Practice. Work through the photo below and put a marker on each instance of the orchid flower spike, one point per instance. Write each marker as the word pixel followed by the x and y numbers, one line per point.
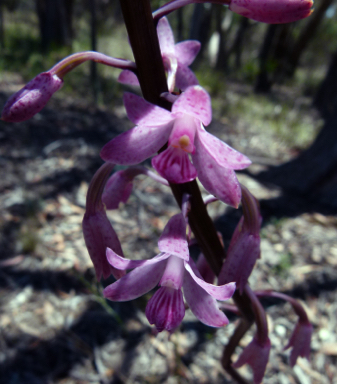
pixel 119 186
pixel 213 160
pixel 97 229
pixel 172 269
pixel 244 248
pixel 176 59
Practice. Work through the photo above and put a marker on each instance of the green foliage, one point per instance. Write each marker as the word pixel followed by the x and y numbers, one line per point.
pixel 213 81
pixel 282 268
pixel 28 239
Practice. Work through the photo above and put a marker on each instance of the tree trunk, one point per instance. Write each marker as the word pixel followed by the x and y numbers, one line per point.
pixel 307 33
pixel 55 22
pixel 314 172
pixel 201 28
pixel 221 59
pixel 280 51
pixel 180 24
pixel 237 46
pixel 326 97
pixel 263 81
pixel 93 37
pixel 2 28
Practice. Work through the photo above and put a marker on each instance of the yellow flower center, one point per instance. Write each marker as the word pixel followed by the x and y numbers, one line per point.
pixel 184 141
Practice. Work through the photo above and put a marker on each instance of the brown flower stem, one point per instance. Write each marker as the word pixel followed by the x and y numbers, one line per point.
pixel 144 42
pixel 145 46
pixel 226 361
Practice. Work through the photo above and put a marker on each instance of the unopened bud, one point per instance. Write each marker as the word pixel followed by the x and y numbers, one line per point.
pixel 272 11
pixel 31 98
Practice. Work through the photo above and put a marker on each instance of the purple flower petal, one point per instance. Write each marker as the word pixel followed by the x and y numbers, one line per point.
pixel 203 305
pixel 187 51
pixel 195 101
pixel 166 309
pixel 185 77
pixel 118 189
pixel 174 165
pixel 128 77
pixel 98 235
pixel 222 153
pixel 121 263
pixel 216 179
pixel 136 283
pixel 240 260
pixel 173 239
pixel 165 36
pixel 300 342
pixel 173 275
pixel 171 66
pixel 219 292
pixel 141 112
pixel 256 355
pixel 136 145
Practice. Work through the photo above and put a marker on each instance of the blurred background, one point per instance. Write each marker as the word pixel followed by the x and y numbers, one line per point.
pixel 274 98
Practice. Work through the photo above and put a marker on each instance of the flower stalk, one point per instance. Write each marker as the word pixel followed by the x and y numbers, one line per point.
pixel 72 61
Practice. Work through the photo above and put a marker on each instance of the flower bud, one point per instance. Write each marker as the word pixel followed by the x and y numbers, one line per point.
pixel 300 341
pixel 31 98
pixel 118 188
pixel 98 235
pixel 272 11
pixel 255 354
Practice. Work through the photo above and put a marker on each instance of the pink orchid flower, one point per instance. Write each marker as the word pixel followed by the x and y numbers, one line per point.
pixel 172 269
pixel 119 186
pixel 97 230
pixel 243 251
pixel 256 354
pixel 244 248
pixel 176 58
pixel 213 160
pixel 300 341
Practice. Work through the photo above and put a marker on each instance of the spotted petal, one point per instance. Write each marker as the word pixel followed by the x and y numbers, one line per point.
pixel 186 51
pixel 141 112
pixel 221 152
pixel 173 239
pixel 136 283
pixel 219 292
pixel 195 101
pixel 216 179
pixel 119 262
pixel 136 145
pixel 202 304
pixel 185 77
pixel 165 36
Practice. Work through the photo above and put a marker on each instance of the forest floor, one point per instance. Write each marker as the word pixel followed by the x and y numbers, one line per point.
pixel 54 325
